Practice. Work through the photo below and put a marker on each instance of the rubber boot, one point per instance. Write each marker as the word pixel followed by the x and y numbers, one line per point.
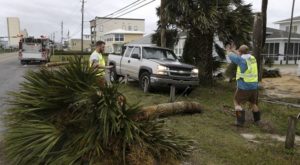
pixel 240 118
pixel 256 116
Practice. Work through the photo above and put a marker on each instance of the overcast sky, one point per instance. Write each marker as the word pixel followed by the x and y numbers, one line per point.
pixel 45 16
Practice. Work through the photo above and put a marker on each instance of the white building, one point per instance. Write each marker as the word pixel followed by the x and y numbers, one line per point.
pixel 116 31
pixel 277 39
pixel 285 25
pixel 178 48
pixel 13 29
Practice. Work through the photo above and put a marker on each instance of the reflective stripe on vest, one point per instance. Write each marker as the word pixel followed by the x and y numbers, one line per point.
pixel 101 63
pixel 251 74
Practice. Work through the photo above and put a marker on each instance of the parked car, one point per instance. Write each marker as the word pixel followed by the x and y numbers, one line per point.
pixel 152 66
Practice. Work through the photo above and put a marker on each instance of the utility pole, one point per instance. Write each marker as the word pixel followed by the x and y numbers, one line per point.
pixel 257 40
pixel 62 33
pixel 54 37
pixel 82 19
pixel 289 39
pixel 264 8
pixel 163 24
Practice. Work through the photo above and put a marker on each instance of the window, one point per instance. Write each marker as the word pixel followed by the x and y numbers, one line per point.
pixel 157 53
pixel 119 37
pixel 291 47
pixel 271 50
pixel 129 28
pixel 296 48
pixel 294 29
pixel 128 51
pixel 136 50
pixel 135 28
pixel 124 27
pixel 276 48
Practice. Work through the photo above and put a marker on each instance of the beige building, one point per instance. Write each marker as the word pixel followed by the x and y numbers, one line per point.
pixel 75 45
pixel 116 38
pixel 116 31
pixel 13 29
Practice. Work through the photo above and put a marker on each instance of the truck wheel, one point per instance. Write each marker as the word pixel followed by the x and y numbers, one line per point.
pixel 145 82
pixel 23 62
pixel 114 77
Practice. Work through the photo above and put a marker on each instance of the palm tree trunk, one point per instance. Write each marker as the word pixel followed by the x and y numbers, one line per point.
pixel 257 42
pixel 168 109
pixel 163 24
pixel 198 51
pixel 205 62
pixel 264 8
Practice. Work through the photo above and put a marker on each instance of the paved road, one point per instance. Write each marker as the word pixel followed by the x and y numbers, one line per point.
pixel 11 74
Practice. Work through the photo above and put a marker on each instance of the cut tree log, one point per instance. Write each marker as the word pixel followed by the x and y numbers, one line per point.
pixel 168 109
pixel 51 64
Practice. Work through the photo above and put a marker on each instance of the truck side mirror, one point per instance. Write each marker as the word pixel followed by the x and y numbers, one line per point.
pixel 136 56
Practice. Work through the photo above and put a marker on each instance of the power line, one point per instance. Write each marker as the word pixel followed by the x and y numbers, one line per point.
pixel 129 11
pixel 125 8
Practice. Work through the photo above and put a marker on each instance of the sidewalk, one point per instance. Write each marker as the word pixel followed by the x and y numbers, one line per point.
pixel 7 55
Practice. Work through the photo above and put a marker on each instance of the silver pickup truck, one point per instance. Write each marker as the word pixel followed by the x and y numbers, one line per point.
pixel 152 66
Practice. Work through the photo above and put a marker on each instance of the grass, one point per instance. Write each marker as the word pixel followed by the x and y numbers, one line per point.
pixel 219 142
pixel 58 58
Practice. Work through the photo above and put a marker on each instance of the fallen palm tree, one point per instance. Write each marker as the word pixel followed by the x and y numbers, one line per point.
pixel 53 64
pixel 168 109
pixel 64 116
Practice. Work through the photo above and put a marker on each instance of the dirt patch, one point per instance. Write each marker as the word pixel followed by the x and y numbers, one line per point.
pixel 286 86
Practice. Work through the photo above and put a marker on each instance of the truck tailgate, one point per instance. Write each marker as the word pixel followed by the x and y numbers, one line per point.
pixel 32 55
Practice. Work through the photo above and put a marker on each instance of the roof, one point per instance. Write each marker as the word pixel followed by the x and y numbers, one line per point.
pixel 121 31
pixel 145 40
pixel 295 19
pixel 275 33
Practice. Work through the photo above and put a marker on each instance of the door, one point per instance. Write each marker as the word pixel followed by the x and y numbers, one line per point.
pixel 125 62
pixel 135 62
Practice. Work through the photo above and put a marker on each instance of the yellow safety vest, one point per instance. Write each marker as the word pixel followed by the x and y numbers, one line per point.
pixel 101 63
pixel 251 74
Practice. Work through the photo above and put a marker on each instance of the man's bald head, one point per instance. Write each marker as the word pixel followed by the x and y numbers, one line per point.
pixel 244 49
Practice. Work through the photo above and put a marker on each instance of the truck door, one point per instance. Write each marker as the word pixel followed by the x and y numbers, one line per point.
pixel 125 62
pixel 135 62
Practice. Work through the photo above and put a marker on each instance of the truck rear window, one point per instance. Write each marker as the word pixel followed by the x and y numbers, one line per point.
pixel 157 53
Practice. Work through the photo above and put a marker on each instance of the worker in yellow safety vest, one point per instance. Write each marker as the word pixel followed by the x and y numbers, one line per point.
pixel 247 82
pixel 97 60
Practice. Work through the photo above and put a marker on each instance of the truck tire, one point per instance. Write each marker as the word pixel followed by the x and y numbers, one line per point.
pixel 23 62
pixel 114 77
pixel 145 82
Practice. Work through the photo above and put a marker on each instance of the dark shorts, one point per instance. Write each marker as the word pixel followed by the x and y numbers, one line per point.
pixel 243 96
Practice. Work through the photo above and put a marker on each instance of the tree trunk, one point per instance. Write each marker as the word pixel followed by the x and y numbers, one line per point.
pixel 205 60
pixel 198 49
pixel 257 42
pixel 163 24
pixel 264 8
pixel 168 109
